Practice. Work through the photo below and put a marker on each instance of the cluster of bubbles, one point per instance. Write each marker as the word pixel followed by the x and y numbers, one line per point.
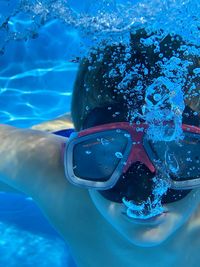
pixel 150 207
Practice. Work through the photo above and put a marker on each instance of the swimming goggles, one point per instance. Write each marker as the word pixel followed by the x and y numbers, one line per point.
pixel 97 157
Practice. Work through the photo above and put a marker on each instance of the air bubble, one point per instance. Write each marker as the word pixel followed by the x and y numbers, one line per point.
pixel 105 142
pixel 171 162
pixel 196 71
pixel 157 97
pixel 127 135
pixel 119 155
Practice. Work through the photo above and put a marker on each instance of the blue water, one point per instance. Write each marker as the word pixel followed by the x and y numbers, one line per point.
pixel 27 239
pixel 36 81
pixel 33 71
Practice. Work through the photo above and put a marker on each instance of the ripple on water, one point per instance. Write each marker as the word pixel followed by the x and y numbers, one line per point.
pixel 23 248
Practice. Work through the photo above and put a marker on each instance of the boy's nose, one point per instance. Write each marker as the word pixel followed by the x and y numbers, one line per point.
pixel 138 154
pixel 137 182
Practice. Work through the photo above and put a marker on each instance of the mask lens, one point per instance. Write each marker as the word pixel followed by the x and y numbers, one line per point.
pixel 181 157
pixel 96 157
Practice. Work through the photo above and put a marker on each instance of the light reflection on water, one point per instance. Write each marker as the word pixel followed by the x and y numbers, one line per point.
pixel 23 105
pixel 24 248
pixel 34 70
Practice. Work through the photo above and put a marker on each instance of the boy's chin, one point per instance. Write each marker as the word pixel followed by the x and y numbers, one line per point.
pixel 144 241
pixel 148 235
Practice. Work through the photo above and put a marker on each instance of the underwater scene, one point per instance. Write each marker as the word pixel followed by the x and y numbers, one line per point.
pixel 148 54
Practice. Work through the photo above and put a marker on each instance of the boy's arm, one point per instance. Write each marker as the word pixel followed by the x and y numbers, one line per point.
pixel 62 122
pixel 30 160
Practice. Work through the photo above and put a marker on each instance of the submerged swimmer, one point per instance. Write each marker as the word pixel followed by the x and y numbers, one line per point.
pixel 117 196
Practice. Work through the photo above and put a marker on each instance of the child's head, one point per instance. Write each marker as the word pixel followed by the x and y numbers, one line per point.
pixel 111 87
pixel 118 75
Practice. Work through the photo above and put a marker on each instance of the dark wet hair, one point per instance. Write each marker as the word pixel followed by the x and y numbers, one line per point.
pixel 106 76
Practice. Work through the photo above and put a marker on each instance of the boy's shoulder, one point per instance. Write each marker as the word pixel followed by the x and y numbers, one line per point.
pixel 60 123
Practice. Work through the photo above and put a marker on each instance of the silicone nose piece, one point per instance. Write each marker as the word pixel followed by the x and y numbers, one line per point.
pixel 138 154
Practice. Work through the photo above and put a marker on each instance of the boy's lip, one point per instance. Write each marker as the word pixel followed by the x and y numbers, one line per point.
pixel 154 220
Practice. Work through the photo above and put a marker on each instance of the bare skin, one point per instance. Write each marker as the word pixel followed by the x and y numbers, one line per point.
pixel 97 232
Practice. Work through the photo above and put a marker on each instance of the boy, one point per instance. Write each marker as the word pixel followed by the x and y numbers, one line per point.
pixel 113 222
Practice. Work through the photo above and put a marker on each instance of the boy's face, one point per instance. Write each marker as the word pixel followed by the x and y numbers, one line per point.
pixel 141 232
pixel 150 232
